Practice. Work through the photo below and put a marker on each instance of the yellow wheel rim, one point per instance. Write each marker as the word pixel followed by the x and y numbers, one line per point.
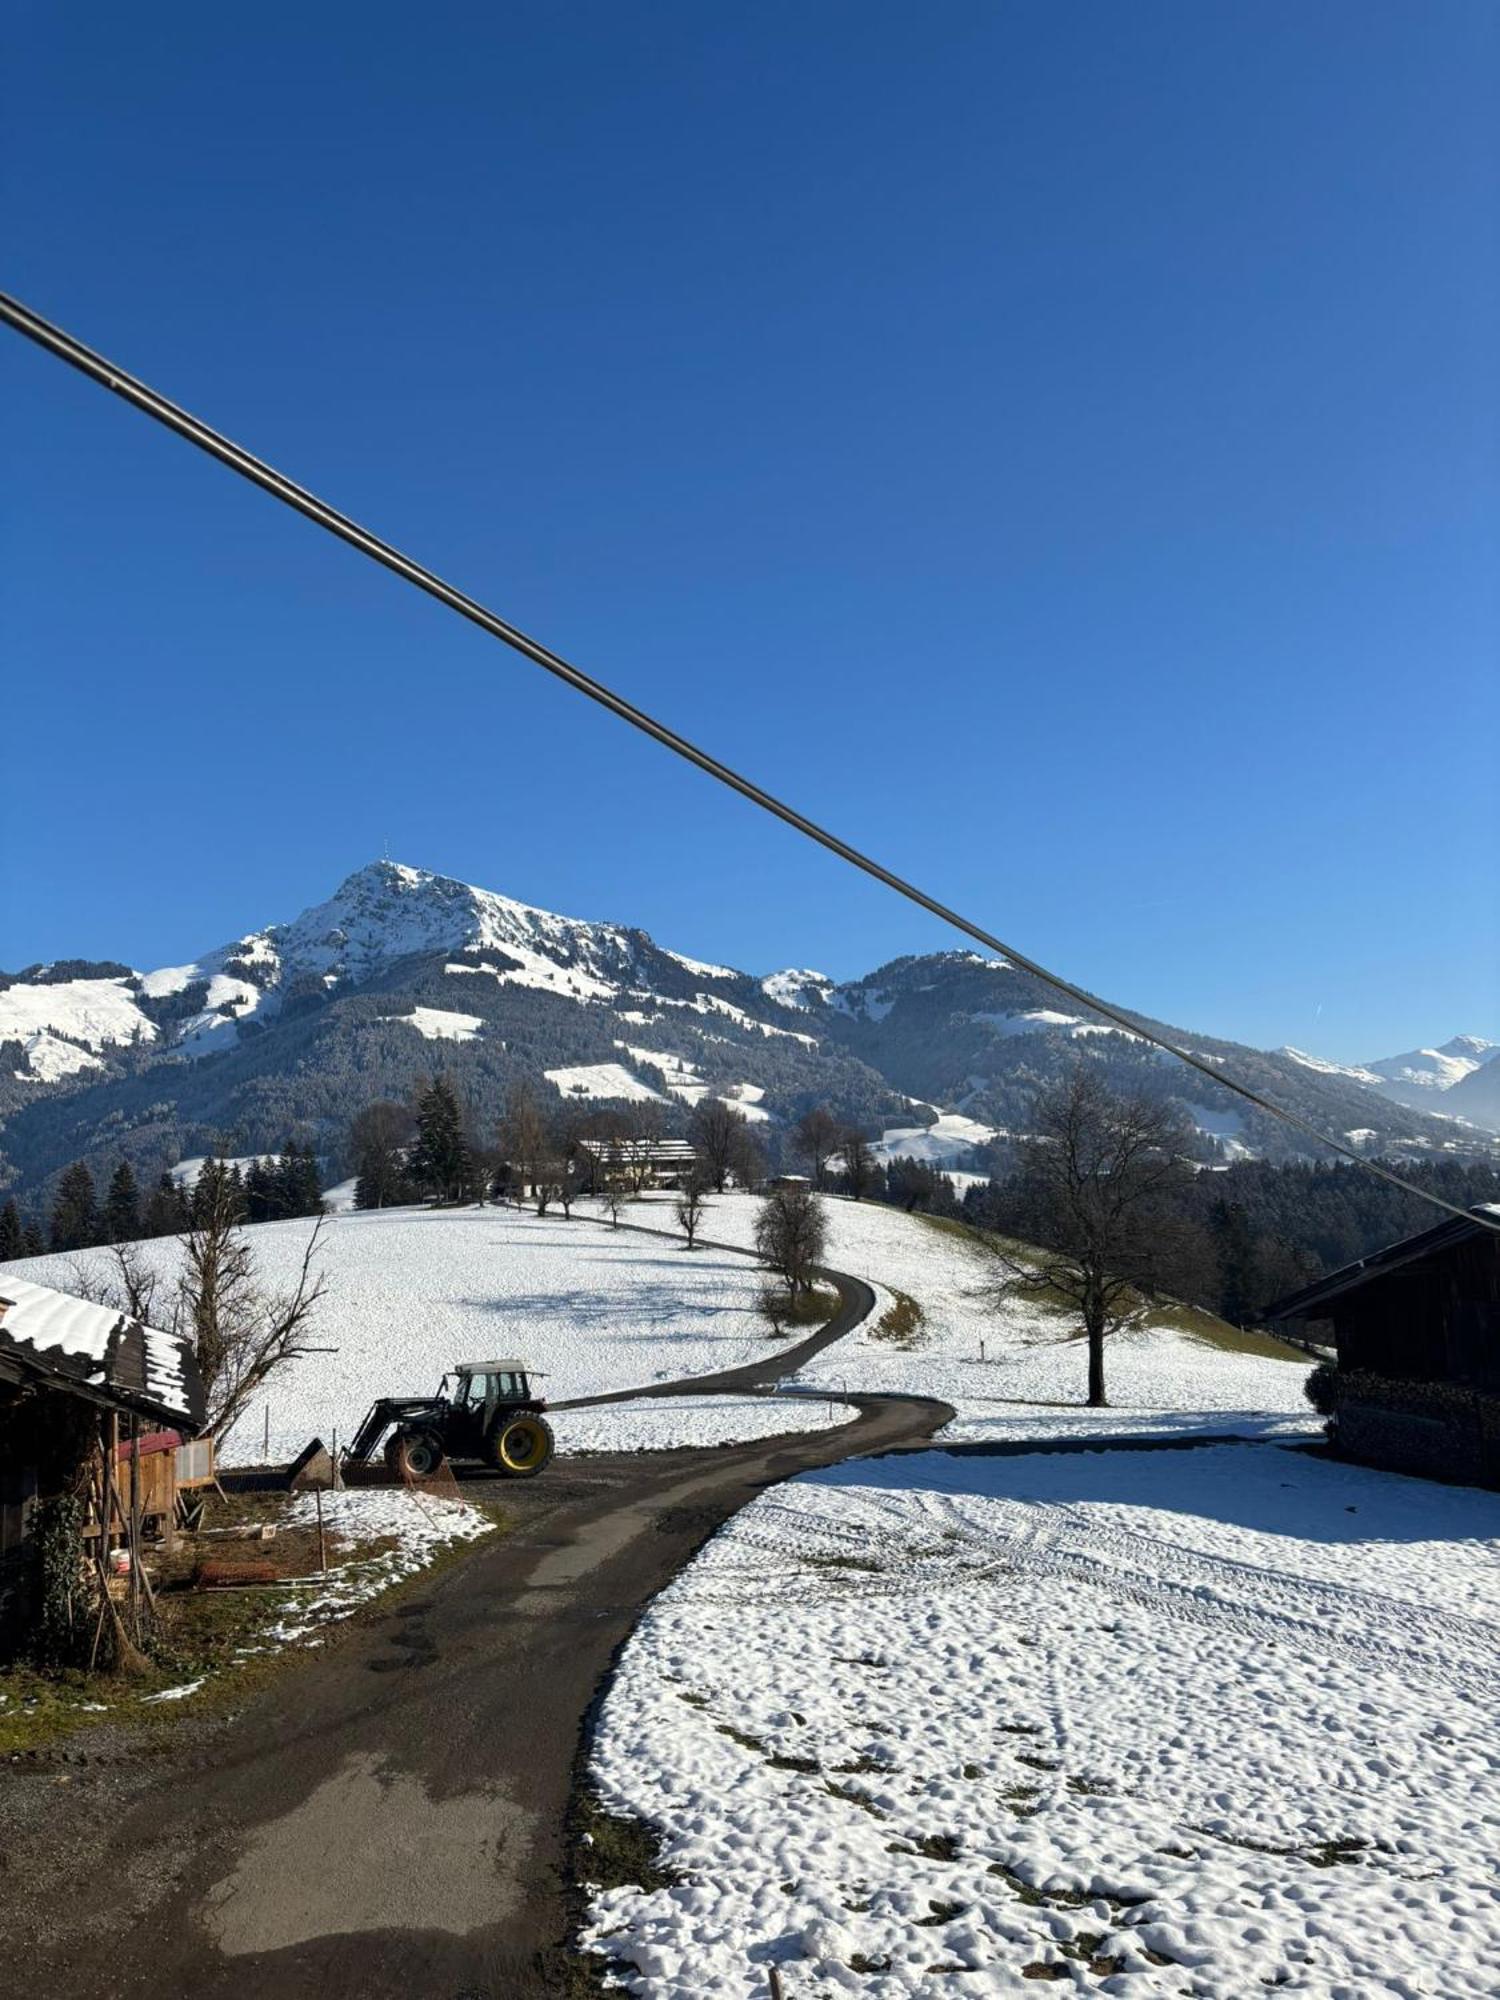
pixel 521 1444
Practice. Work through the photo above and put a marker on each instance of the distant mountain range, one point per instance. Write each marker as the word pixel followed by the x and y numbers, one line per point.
pixel 1460 1079
pixel 288 1030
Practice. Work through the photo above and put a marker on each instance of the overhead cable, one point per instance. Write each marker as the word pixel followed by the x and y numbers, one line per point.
pixel 65 347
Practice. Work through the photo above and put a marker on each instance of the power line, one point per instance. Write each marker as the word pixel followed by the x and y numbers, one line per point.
pixel 110 376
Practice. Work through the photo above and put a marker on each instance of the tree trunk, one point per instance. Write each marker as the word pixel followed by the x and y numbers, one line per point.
pixel 1095 1327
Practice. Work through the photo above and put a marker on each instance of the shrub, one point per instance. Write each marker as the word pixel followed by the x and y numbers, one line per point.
pixel 1322 1388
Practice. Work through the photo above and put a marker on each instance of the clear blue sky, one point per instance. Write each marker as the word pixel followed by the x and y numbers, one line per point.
pixel 1058 444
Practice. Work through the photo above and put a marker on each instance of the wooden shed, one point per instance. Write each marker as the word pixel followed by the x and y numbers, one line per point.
pixel 1416 1328
pixel 81 1387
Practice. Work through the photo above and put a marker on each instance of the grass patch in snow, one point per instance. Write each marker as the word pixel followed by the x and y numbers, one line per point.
pixel 813 1306
pixel 900 1323
pixel 618 1850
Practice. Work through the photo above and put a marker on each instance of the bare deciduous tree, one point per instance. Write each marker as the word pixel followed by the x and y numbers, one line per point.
pixel 859 1163
pixel 1089 1191
pixel 691 1206
pixel 720 1135
pixel 380 1136
pixel 816 1137
pixel 791 1234
pixel 242 1334
pixel 523 1141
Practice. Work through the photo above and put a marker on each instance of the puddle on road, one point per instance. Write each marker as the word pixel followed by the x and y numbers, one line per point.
pixel 371 1850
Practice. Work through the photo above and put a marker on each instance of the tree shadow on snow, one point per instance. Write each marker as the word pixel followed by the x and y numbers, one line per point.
pixel 1271 1489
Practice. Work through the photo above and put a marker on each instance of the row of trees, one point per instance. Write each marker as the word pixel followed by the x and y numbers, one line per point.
pixel 268 1190
pixel 428 1150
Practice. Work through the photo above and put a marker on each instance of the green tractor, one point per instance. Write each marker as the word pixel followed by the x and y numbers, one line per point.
pixel 489 1416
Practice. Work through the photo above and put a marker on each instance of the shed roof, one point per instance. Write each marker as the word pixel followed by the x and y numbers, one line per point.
pixel 69 1341
pixel 1311 1300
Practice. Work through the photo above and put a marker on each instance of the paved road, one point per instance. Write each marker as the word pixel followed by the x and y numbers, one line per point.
pixel 856 1303
pixel 390 1819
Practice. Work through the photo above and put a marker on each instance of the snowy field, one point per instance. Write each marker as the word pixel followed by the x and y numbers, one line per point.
pixel 412 1291
pixel 1212 1721
pixel 1030 1355
pixel 673 1421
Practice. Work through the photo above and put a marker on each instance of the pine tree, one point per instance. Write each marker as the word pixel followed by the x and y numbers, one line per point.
pixel 299 1189
pixel 166 1209
pixel 440 1163
pixel 12 1236
pixel 262 1192
pixel 75 1213
pixel 34 1244
pixel 122 1206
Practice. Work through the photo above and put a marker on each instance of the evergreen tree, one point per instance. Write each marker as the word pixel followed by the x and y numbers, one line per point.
pixel 35 1244
pixel 75 1213
pixel 122 1206
pixel 441 1164
pixel 12 1236
pixel 299 1184
pixel 262 1192
pixel 166 1209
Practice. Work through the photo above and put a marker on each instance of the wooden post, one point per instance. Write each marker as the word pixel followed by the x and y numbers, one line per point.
pixel 135 1528
pixel 322 1540
pixel 777 1990
pixel 111 1446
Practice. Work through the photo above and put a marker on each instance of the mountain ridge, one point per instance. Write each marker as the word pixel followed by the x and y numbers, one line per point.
pixel 292 1026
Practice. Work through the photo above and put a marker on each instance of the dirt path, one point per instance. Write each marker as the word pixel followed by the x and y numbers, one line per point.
pixel 389 1819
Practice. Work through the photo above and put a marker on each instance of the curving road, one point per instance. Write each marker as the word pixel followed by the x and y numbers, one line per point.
pixel 391 1818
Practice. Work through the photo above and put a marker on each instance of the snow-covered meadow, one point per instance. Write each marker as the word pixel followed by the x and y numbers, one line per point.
pixel 1030 1354
pixel 1203 1721
pixel 669 1422
pixel 412 1291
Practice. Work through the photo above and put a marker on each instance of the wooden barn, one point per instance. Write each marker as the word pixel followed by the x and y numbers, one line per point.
pixel 1416 1328
pixel 87 1397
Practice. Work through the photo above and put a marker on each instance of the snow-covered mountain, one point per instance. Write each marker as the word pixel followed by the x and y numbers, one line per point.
pixel 1459 1079
pixel 1421 1076
pixel 290 1028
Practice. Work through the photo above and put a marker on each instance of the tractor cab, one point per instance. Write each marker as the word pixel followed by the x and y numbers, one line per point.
pixel 477 1392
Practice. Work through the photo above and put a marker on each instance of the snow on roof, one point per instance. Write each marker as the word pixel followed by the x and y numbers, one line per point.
pixel 72 1338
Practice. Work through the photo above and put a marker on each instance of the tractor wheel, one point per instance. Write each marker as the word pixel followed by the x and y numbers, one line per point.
pixel 414 1454
pixel 521 1447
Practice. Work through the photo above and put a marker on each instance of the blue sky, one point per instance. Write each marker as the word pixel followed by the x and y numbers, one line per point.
pixel 1057 445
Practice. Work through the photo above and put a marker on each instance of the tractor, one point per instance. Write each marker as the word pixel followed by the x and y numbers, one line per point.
pixel 489 1415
